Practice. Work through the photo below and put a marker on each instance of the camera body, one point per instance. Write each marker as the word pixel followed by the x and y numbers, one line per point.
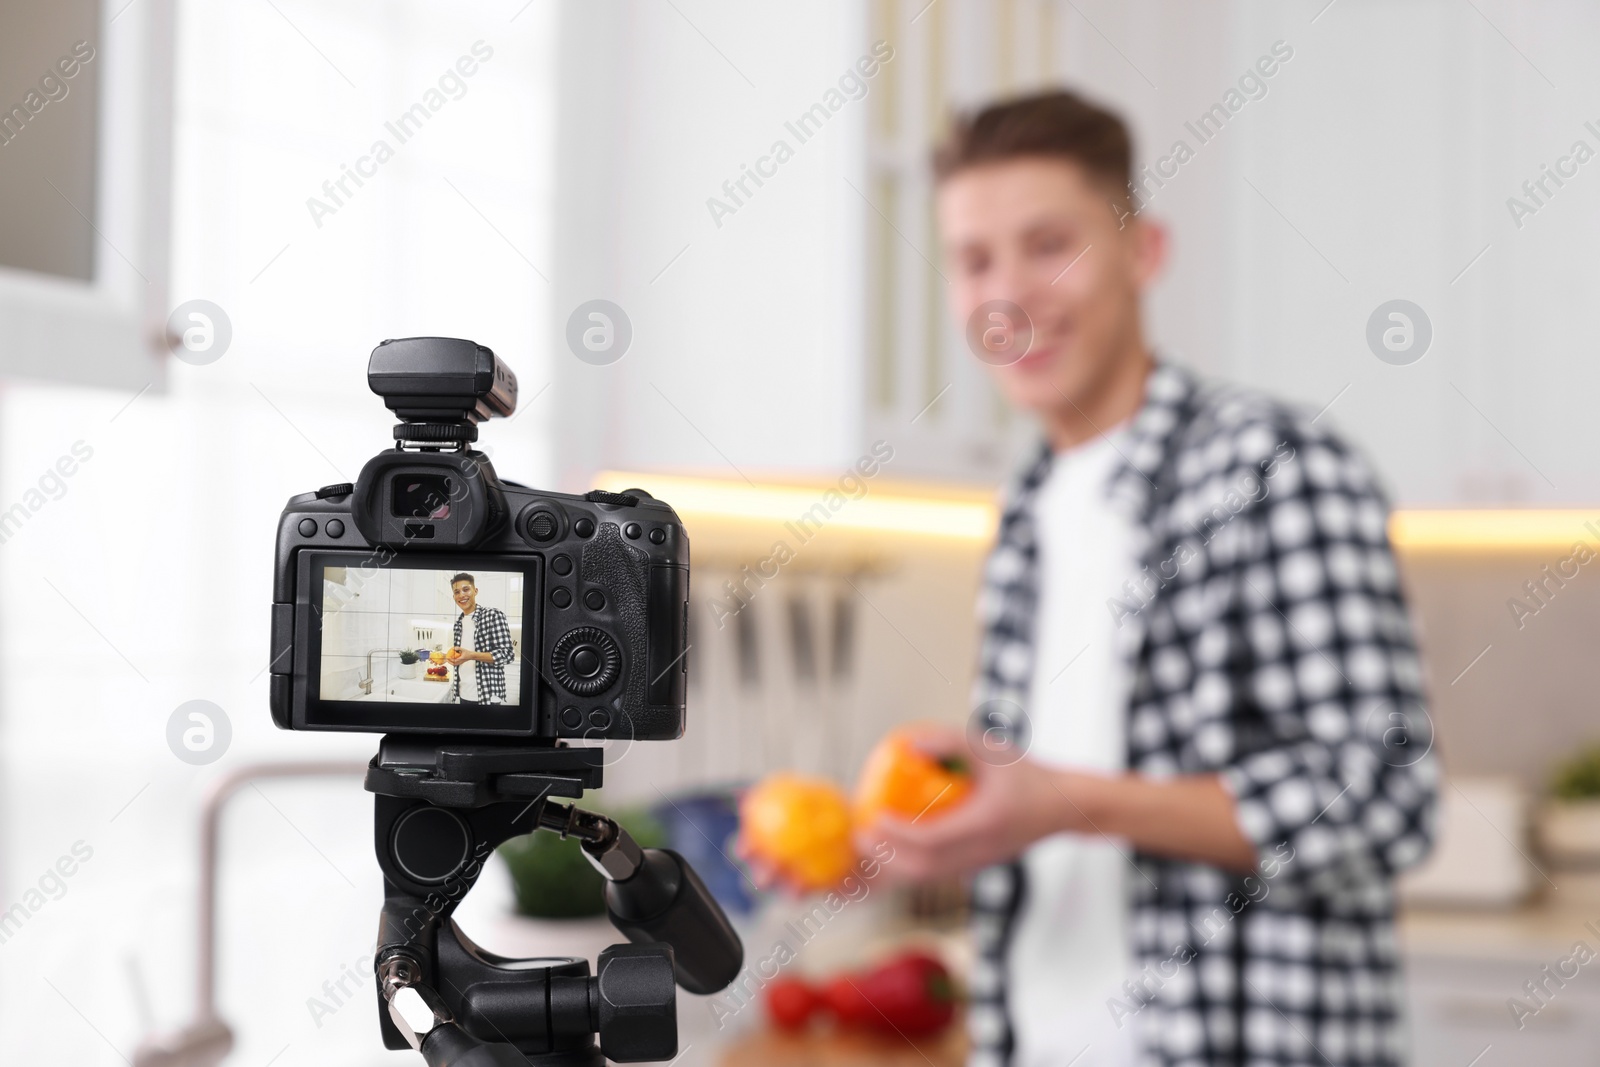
pixel 556 615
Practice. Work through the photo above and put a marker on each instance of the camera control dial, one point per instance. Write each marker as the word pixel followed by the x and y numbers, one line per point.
pixel 586 661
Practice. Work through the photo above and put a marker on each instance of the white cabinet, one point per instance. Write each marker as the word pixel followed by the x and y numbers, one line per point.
pixel 1464 969
pixel 1382 161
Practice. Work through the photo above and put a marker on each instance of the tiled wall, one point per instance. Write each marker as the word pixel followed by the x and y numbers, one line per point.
pixel 1511 691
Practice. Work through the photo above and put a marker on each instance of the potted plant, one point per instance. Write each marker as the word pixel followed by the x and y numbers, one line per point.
pixel 1569 827
pixel 408 664
pixel 552 879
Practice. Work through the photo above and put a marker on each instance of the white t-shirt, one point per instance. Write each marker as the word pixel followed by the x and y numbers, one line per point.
pixel 1070 950
pixel 467 670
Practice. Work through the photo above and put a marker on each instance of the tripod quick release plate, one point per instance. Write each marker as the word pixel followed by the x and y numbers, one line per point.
pixel 472 774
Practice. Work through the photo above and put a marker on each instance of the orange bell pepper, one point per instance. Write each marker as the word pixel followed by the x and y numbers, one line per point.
pixel 901 779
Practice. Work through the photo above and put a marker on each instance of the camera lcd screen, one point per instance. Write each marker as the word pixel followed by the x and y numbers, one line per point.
pixel 421 635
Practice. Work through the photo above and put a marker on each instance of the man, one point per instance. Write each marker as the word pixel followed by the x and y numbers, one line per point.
pixel 480 660
pixel 1196 648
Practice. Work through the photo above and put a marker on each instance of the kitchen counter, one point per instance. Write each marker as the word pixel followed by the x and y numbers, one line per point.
pixel 1467 973
pixel 414 690
pixel 827 1049
pixel 1542 930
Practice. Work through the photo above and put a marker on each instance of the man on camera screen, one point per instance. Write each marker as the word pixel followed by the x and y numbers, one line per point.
pixel 479 652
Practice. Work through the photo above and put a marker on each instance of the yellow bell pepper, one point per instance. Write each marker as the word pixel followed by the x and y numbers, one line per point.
pixel 800 826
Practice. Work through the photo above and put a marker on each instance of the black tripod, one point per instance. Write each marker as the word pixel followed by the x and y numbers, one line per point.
pixel 441 810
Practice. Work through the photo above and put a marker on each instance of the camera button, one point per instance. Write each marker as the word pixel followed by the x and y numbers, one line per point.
pixel 600 719
pixel 562 565
pixel 560 597
pixel 542 526
pixel 583 527
pixel 335 528
pixel 658 536
pixel 308 527
pixel 571 718
pixel 633 530
pixel 585 662
pixel 594 600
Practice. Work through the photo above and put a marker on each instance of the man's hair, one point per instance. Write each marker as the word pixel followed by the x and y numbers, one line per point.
pixel 1058 124
pixel 463 577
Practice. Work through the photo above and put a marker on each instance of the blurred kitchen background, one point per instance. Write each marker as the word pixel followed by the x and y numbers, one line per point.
pixel 227 153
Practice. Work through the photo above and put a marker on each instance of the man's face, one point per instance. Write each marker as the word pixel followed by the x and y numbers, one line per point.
pixel 1041 234
pixel 466 595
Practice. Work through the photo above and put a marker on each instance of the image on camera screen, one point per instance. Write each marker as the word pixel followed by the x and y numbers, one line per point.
pixel 417 636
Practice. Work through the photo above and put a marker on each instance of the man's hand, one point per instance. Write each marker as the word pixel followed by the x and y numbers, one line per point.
pixel 453 656
pixel 1015 801
pixel 1010 807
pixel 1014 804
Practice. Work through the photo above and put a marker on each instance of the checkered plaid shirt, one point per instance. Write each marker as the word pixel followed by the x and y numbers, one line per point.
pixel 491 634
pixel 1269 644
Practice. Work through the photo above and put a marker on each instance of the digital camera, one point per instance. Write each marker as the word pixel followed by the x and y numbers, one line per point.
pixel 432 598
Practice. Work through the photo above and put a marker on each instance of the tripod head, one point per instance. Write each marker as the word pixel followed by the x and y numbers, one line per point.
pixel 440 811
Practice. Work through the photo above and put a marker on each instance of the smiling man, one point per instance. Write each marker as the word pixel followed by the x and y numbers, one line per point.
pixel 1196 647
pixel 481 646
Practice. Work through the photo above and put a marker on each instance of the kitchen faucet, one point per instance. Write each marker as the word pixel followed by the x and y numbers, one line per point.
pixel 365 684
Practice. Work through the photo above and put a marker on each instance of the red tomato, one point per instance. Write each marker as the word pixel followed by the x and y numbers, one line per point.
pixel 790 1003
pixel 843 997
